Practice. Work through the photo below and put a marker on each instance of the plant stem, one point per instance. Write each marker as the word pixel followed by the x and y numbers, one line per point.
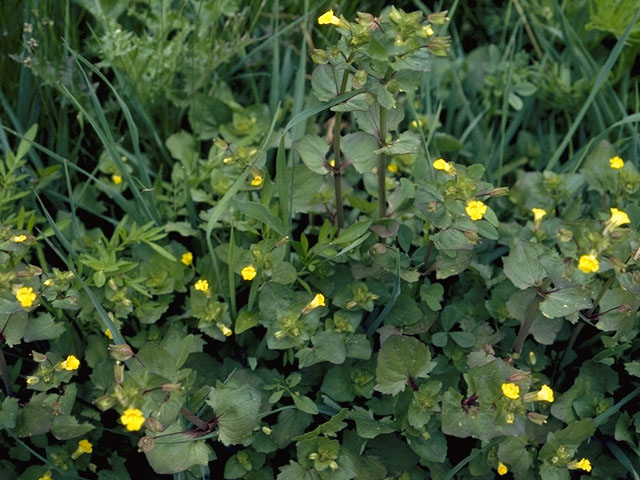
pixel 528 320
pixel 337 174
pixel 201 424
pixel 578 328
pixel 5 375
pixel 382 165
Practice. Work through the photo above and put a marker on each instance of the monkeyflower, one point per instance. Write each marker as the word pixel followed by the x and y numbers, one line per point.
pixel 46 476
pixel 328 18
pixel 618 218
pixel 26 296
pixel 475 209
pixel 84 446
pixel 19 238
pixel 511 391
pixel 616 162
pixel 317 301
pixel 441 164
pixel 545 394
pixel 132 419
pixel 582 464
pixel 117 179
pixel 502 469
pixel 70 363
pixel 108 333
pixel 588 264
pixel 187 258
pixel 202 285
pixel 257 181
pixel 249 272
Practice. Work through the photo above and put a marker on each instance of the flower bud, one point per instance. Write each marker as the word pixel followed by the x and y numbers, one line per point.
pixel 154 425
pixel 146 444
pixel 31 380
pixel 319 56
pixel 38 357
pixel 499 191
pixel 105 402
pixel 118 372
pixel 439 46
pixel 266 430
pixel 537 418
pixel 438 18
pixel 121 352
pixel 171 387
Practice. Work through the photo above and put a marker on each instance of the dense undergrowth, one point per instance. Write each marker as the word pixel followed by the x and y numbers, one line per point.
pixel 293 240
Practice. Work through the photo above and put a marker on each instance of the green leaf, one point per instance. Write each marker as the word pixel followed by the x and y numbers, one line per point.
pixel 8 413
pixel 399 359
pixel 246 320
pixel 432 295
pixel 405 311
pixel 549 472
pixel 182 146
pixel 563 302
pixel 313 150
pixel 43 328
pixel 237 409
pixel 66 427
pixel 522 266
pixel 407 142
pixel 513 452
pixel 259 212
pixel 337 384
pixel 464 339
pixel 327 347
pixel 25 143
pixel 633 368
pixel 304 404
pixel 330 428
pixel 369 427
pixel 359 148
pixel 324 83
pixel 294 471
pixel 433 449
pixel 177 451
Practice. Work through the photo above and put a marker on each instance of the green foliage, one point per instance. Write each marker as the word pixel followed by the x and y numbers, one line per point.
pixel 252 266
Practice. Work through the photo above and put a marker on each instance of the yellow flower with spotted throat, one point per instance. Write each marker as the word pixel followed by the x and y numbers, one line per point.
pixel 475 209
pixel 511 391
pixel 588 264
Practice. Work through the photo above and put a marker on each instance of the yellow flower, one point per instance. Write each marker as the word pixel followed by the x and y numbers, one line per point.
pixel 117 179
pixel 318 301
pixel 48 282
pixel 616 162
pixel 441 164
pixel 26 296
pixel 511 391
pixel 588 263
pixel 187 258
pixel 257 181
pixel 545 394
pixel 502 469
pixel 392 167
pixel 618 217
pixel 84 446
pixel 583 464
pixel 132 419
pixel 46 476
pixel 71 363
pixel 19 238
pixel 226 331
pixel 475 209
pixel 108 333
pixel 427 31
pixel 248 272
pixel 538 213
pixel 202 285
pixel 328 18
